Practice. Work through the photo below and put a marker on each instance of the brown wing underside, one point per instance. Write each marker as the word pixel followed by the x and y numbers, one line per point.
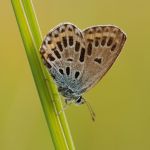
pixel 103 45
pixel 62 47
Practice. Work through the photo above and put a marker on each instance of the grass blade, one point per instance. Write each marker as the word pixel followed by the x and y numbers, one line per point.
pixel 50 99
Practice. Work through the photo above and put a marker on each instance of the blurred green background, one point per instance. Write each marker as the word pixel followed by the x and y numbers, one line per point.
pixel 121 100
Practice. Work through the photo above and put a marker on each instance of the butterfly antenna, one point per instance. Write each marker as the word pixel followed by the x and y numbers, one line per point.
pixel 91 110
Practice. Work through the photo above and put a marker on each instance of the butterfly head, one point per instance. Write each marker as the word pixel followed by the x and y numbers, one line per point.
pixel 80 100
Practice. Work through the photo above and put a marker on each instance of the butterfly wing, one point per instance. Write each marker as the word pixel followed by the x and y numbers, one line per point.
pixel 63 52
pixel 78 60
pixel 103 45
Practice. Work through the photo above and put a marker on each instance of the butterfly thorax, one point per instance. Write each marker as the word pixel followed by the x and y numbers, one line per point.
pixel 68 93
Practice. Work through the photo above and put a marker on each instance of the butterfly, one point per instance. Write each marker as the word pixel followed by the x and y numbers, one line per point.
pixel 78 59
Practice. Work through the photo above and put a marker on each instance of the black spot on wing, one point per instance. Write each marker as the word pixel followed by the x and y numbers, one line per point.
pixel 70 40
pixel 49 42
pixel 77 74
pixel 96 43
pixel 62 30
pixel 103 41
pixel 82 54
pixel 61 71
pixel 110 41
pixel 113 47
pixel 89 49
pixel 64 41
pixel 98 60
pixel 57 54
pixel 77 46
pixel 60 46
pixel 69 59
pixel 56 35
pixel 67 70
pixel 70 29
pixel 51 57
pixel 48 65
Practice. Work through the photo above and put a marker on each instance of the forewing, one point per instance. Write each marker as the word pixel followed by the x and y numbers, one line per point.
pixel 103 45
pixel 61 51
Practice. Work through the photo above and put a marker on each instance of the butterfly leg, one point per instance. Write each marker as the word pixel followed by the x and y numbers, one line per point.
pixel 68 102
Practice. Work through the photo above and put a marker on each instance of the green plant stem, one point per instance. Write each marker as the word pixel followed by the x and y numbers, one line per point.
pixel 49 97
